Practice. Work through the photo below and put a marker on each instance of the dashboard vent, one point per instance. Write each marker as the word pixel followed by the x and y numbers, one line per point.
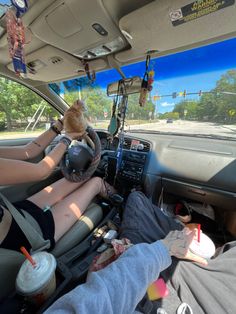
pixel 127 143
pixel 146 147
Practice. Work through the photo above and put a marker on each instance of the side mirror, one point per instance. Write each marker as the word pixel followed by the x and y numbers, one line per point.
pixel 125 86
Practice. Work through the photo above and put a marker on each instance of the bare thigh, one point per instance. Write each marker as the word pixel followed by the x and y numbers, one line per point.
pixel 68 211
pixel 54 193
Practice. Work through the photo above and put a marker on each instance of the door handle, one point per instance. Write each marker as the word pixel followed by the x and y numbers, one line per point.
pixel 197 192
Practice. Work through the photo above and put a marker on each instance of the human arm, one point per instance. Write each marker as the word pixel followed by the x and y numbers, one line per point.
pixel 32 149
pixel 17 171
pixel 119 287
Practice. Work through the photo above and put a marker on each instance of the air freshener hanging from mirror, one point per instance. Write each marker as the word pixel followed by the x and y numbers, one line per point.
pixel 144 91
pixel 91 75
pixel 151 74
pixel 16 35
pixel 114 124
pixel 147 82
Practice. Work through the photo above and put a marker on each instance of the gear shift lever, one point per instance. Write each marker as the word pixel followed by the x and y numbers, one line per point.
pixel 116 199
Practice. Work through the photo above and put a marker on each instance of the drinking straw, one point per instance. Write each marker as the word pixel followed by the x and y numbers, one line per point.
pixel 198 232
pixel 28 256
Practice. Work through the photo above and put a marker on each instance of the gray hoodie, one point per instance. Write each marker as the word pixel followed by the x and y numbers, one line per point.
pixel 120 286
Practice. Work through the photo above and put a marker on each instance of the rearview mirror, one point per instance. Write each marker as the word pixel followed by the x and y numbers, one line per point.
pixel 125 86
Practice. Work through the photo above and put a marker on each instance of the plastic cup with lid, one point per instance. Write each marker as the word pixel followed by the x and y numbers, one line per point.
pixel 204 248
pixel 37 283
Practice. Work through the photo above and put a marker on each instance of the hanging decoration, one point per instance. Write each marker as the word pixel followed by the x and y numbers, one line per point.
pixel 21 6
pixel 16 35
pixel 147 82
pixel 117 121
pixel 150 80
pixel 114 124
pixel 91 75
pixel 121 114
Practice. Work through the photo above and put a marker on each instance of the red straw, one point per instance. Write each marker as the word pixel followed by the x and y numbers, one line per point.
pixel 198 232
pixel 28 256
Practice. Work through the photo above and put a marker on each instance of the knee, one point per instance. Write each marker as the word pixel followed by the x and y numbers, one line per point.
pixel 135 197
pixel 133 201
pixel 94 184
pixel 96 180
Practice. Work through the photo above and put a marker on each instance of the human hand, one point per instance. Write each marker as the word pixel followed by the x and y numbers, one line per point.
pixel 178 243
pixel 59 124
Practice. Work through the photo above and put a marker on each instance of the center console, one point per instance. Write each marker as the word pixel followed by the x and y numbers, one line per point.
pixel 132 166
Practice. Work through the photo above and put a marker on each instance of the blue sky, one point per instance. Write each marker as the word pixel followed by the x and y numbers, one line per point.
pixel 191 83
pixel 194 70
pixel 3 9
pixel 5 1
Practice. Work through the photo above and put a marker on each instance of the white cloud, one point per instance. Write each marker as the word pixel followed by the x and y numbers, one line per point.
pixel 167 104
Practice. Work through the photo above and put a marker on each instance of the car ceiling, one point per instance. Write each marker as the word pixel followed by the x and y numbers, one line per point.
pixel 61 34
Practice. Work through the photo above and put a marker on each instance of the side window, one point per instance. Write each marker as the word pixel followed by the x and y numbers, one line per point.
pixel 22 112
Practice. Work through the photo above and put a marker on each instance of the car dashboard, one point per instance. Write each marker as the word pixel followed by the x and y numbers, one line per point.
pixel 132 164
pixel 201 169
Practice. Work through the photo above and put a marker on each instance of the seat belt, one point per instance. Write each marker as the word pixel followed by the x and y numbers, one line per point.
pixel 37 242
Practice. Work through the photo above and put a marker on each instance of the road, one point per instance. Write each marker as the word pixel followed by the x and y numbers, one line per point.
pixel 178 126
pixel 189 127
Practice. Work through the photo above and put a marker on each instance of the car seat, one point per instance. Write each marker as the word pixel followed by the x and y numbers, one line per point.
pixel 10 261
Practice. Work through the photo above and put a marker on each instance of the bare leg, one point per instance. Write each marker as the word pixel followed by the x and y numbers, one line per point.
pixel 53 193
pixel 69 210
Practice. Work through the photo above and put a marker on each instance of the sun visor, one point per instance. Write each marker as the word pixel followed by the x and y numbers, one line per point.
pixel 50 64
pixel 84 30
pixel 167 25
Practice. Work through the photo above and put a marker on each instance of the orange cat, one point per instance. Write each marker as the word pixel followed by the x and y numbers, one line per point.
pixel 75 122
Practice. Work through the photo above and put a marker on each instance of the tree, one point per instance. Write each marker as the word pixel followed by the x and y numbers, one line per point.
pixel 134 111
pixel 215 106
pixel 187 109
pixel 18 102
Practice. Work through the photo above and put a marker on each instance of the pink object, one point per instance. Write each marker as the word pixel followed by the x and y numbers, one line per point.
pixel 157 290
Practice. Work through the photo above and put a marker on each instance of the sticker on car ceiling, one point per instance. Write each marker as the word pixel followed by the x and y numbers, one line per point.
pixel 197 9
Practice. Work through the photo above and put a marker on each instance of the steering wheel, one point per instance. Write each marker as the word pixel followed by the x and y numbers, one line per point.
pixel 82 175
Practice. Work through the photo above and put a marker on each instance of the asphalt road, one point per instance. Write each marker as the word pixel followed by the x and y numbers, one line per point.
pixel 189 127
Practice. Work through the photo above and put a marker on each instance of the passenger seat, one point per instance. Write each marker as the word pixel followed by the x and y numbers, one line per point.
pixel 10 261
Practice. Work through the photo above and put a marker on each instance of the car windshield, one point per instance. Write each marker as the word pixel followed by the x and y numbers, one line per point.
pixel 194 93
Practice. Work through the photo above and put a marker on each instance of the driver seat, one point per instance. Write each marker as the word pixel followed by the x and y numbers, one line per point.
pixel 10 261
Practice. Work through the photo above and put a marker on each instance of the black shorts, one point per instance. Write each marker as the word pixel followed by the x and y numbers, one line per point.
pixel 16 238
